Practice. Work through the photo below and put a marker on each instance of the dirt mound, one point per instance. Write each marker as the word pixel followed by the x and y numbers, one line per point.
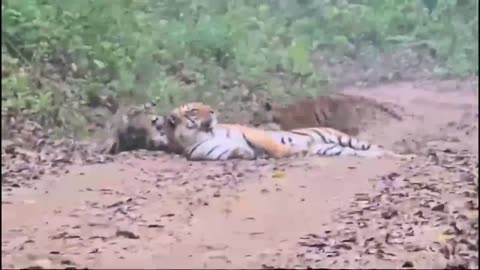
pixel 347 113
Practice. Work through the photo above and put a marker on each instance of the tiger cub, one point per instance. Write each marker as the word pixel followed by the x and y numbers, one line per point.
pixel 134 129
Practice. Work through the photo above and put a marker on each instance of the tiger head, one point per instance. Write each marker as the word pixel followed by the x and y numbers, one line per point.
pixel 131 130
pixel 158 123
pixel 187 122
pixel 194 115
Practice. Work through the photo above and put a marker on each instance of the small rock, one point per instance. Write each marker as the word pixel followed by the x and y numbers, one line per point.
pixel 67 262
pixel 126 234
pixel 42 264
pixel 342 246
pixel 155 226
pixel 471 205
pixel 439 207
pixel 411 247
pixel 389 213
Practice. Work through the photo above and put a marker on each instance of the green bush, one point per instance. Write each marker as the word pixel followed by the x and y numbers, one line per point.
pixel 134 48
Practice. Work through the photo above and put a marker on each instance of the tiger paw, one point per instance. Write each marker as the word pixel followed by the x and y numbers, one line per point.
pixel 405 157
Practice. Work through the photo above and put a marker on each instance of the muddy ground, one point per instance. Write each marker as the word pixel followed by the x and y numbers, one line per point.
pixel 153 210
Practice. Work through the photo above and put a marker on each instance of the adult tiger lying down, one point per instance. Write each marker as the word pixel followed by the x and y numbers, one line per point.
pixel 195 130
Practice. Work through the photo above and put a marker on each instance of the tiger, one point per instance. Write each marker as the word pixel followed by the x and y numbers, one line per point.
pixel 133 129
pixel 343 112
pixel 194 128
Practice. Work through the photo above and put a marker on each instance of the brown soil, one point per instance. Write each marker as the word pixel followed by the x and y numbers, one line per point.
pixel 154 210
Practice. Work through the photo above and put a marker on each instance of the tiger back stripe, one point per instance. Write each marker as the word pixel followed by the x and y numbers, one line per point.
pixel 302 133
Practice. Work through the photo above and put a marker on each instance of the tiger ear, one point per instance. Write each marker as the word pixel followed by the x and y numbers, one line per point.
pixel 268 106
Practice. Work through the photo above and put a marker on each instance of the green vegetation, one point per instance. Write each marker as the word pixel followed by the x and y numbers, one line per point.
pixel 59 56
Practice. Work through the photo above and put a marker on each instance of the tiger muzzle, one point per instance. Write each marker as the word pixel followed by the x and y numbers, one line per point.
pixel 207 125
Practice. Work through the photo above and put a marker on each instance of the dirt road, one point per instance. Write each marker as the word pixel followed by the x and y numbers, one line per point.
pixel 152 210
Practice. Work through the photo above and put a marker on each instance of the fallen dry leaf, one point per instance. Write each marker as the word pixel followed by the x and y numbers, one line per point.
pixel 279 174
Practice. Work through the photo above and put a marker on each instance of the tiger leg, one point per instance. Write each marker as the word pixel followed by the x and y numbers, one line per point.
pixel 219 153
pixel 241 153
pixel 400 156
pixel 333 149
pixel 378 151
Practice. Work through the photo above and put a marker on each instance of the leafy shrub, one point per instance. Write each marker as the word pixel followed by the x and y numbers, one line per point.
pixel 174 51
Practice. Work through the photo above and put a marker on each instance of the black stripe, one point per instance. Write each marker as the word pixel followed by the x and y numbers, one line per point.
pixel 190 119
pixel 224 152
pixel 213 149
pixel 282 141
pixel 248 142
pixel 321 135
pixel 256 149
pixel 366 147
pixel 339 152
pixel 303 134
pixel 331 147
pixel 362 146
pixel 299 133
pixel 350 144
pixel 195 147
